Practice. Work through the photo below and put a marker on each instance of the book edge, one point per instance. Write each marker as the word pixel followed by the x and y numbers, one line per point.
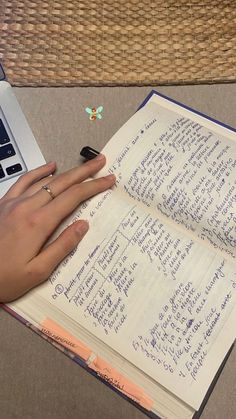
pixel 77 359
pixel 182 105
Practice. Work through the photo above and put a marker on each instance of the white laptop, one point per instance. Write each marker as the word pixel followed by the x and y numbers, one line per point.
pixel 19 151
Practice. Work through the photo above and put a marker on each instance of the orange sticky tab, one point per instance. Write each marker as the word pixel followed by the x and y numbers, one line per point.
pixel 60 335
pixel 109 374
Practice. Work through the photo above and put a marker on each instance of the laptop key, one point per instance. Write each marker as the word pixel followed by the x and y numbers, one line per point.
pixel 14 169
pixel 6 151
pixel 3 134
pixel 2 174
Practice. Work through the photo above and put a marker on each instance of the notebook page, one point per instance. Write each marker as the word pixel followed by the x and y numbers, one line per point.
pixel 184 170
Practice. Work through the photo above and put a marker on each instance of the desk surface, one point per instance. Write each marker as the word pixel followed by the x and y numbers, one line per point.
pixel 37 381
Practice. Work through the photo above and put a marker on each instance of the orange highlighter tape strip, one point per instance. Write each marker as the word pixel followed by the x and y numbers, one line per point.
pixel 60 335
pixel 101 367
pixel 116 379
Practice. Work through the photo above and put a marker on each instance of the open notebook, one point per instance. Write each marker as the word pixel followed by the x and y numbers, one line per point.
pixel 147 300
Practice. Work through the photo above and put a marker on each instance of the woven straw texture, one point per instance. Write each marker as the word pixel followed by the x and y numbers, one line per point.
pixel 117 42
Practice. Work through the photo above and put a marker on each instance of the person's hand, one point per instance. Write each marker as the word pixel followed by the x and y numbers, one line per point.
pixel 28 217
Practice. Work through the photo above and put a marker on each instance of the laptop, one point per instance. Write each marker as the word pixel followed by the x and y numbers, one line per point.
pixel 19 151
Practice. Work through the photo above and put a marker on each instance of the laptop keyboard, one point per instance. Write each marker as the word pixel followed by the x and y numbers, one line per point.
pixel 7 151
pixel 4 138
pixel 11 162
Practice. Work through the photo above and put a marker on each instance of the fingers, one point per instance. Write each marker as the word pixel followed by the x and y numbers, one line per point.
pixel 70 199
pixel 38 185
pixel 26 180
pixel 41 267
pixel 64 181
pixel 59 208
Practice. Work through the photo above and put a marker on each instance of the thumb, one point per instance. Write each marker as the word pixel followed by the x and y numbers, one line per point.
pixel 43 265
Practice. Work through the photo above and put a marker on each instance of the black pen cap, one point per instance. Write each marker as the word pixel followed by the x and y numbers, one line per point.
pixel 89 153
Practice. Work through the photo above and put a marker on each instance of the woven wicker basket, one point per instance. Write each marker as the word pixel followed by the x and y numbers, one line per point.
pixel 124 42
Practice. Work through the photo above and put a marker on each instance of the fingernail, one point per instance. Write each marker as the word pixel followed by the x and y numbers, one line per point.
pixel 111 177
pixel 50 163
pixel 100 157
pixel 82 227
